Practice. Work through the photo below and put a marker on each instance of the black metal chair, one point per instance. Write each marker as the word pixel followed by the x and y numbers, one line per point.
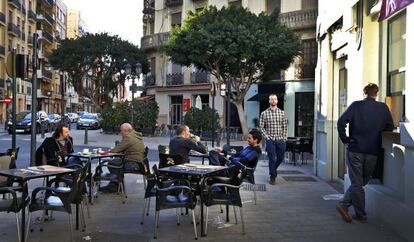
pixel 305 146
pixel 13 204
pixel 166 160
pixel 6 162
pixel 248 176
pixel 177 194
pixel 142 169
pixel 116 177
pixel 56 198
pixel 222 191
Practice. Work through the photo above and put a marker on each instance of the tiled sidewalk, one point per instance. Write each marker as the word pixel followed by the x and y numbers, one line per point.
pixel 289 211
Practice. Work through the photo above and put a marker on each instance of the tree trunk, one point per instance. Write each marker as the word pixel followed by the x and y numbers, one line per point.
pixel 242 117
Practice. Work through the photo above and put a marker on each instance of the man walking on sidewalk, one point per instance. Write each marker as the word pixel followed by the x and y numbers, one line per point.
pixel 273 125
pixel 366 119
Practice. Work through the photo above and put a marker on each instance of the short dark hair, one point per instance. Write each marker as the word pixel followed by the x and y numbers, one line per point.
pixel 180 129
pixel 59 130
pixel 371 90
pixel 256 135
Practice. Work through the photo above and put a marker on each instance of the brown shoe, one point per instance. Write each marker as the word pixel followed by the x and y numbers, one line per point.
pixel 360 219
pixel 344 213
pixel 272 181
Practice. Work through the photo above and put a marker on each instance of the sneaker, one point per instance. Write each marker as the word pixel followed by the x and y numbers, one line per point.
pixel 344 213
pixel 272 181
pixel 360 219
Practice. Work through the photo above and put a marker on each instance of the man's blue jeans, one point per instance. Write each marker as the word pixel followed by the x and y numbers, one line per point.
pixel 276 152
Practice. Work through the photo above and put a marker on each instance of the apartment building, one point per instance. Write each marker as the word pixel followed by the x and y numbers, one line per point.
pixel 74 24
pixel 361 42
pixel 172 84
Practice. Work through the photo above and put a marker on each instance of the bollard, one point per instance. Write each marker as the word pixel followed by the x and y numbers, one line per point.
pixel 85 141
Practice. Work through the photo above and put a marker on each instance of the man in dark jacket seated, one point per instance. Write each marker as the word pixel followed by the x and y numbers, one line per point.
pixel 59 142
pixel 184 143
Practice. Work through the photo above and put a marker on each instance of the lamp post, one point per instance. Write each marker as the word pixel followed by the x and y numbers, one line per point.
pixel 62 92
pixel 225 91
pixel 134 87
pixel 49 94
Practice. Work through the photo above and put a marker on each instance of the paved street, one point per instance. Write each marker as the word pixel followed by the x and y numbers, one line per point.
pixel 289 211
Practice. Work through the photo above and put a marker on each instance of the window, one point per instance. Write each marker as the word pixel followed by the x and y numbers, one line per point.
pixel 237 3
pixel 204 100
pixel 396 67
pixel 176 20
pixel 310 57
pixel 309 4
pixel 272 5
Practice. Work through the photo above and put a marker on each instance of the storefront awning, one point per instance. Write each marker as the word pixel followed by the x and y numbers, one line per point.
pixel 264 97
pixel 390 7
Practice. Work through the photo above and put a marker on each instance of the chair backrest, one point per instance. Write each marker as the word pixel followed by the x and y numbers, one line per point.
pixel 306 145
pixel 5 163
pixel 163 149
pixel 13 152
pixel 248 174
pixel 169 160
pixel 79 178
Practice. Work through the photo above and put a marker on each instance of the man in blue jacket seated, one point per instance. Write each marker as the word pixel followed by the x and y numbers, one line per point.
pixel 247 157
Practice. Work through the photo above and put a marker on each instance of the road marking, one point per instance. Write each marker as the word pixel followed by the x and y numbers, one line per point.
pixel 6 139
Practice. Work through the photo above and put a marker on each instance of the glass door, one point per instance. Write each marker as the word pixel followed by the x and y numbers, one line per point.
pixel 343 79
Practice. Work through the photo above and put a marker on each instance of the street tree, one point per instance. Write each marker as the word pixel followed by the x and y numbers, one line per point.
pixel 233 44
pixel 100 58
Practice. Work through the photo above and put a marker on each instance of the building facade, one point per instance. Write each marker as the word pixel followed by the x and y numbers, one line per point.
pixel 356 47
pixel 74 24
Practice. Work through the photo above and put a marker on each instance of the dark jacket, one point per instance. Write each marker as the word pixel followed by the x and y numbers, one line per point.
pixel 367 120
pixel 181 146
pixel 132 146
pixel 249 156
pixel 48 149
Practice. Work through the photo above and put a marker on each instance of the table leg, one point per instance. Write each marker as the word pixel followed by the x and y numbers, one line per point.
pixel 90 181
pixel 227 214
pixel 77 216
pixel 22 228
pixel 202 219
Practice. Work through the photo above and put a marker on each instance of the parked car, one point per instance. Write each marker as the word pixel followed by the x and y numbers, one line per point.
pixel 73 117
pixel 81 113
pixel 24 122
pixel 90 120
pixel 54 120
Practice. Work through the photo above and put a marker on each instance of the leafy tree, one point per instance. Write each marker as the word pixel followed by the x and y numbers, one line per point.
pixel 234 44
pixel 100 58
pixel 201 120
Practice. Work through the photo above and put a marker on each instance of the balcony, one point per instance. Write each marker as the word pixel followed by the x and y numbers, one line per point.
pixel 13 30
pixel 46 18
pixel 149 80
pixel 31 16
pixel 42 56
pixel 301 19
pixel 24 9
pixel 173 3
pixel 2 18
pixel 44 35
pixel 175 79
pixel 149 7
pixel 30 40
pixel 154 41
pixel 198 77
pixel 45 75
pixel 14 3
pixel 2 50
pixel 49 3
pixel 23 36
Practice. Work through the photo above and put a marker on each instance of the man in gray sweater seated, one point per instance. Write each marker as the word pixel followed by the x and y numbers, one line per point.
pixel 184 142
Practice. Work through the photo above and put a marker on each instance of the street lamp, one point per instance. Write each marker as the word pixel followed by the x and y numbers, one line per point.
pixel 225 91
pixel 134 87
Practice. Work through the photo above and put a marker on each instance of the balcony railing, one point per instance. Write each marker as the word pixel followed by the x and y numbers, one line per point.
pixel 199 77
pixel 24 9
pixel 47 18
pixel 299 19
pixel 2 50
pixel 13 29
pixel 23 36
pixel 175 79
pixel 30 39
pixel 48 2
pixel 45 75
pixel 149 80
pixel 172 3
pixel 31 16
pixel 154 41
pixel 2 18
pixel 45 36
pixel 15 3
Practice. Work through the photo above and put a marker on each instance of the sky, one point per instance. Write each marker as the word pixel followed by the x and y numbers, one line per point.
pixel 121 17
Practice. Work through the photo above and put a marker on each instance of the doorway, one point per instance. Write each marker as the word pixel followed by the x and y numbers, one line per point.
pixel 176 111
pixel 341 107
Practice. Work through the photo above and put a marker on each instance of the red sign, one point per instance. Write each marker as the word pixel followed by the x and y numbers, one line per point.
pixel 389 7
pixel 186 104
pixel 103 102
pixel 7 100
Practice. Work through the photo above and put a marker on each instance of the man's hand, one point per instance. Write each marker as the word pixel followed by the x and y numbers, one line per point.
pixel 218 149
pixel 196 138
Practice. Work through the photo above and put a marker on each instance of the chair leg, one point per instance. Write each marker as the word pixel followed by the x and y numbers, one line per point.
pixel 194 224
pixel 235 214
pixel 124 190
pixel 121 187
pixel 143 211
pixel 157 213
pixel 85 200
pixel 83 217
pixel 255 197
pixel 29 221
pixel 242 219
pixel 148 205
pixel 71 227
pixel 178 216
pixel 206 222
pixel 18 226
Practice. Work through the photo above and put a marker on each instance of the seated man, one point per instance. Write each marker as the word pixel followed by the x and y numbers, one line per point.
pixel 132 145
pixel 184 142
pixel 59 142
pixel 247 157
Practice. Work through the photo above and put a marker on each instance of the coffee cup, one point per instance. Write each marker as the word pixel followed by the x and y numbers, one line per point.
pixel 95 151
pixel 85 151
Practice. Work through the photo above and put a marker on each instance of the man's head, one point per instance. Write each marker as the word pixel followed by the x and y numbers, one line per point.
pixel 273 100
pixel 254 137
pixel 126 128
pixel 371 90
pixel 183 131
pixel 61 131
